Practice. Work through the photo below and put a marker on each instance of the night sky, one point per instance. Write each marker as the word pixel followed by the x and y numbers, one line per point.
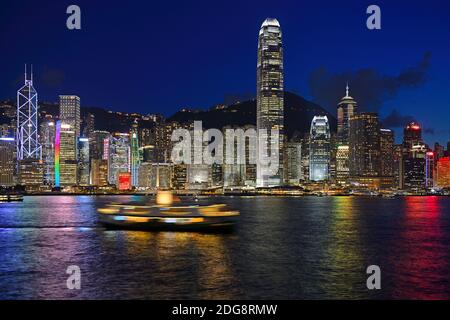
pixel 159 56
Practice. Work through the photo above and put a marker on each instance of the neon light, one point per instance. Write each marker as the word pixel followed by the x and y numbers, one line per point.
pixel 6 139
pixel 57 152
pixel 84 139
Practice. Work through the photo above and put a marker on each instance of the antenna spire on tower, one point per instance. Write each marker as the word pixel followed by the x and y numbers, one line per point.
pixel 25 71
pixel 346 90
pixel 31 73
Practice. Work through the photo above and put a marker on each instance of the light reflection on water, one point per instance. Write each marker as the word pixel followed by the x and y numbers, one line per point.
pixel 291 248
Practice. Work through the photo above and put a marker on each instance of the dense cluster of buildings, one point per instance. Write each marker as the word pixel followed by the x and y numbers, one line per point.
pixel 66 153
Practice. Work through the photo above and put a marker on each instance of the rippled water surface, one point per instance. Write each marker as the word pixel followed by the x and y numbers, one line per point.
pixel 283 248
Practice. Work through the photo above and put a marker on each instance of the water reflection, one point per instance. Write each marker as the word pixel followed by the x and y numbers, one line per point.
pixel 421 264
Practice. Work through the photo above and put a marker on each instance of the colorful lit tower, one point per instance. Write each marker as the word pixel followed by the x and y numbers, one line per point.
pixel 134 155
pixel 28 146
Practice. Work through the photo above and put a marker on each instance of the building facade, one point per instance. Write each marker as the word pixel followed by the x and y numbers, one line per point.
pixel 319 149
pixel 270 96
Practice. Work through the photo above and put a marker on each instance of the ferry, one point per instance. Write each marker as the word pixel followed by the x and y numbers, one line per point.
pixel 167 214
pixel 11 197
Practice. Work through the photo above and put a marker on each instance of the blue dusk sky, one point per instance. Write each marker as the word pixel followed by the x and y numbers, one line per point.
pixel 159 56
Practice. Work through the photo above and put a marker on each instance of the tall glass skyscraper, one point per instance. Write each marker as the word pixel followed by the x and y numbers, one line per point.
pixel 347 107
pixel 319 149
pixel 270 99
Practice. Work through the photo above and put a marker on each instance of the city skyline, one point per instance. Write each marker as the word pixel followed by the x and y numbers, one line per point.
pixel 67 72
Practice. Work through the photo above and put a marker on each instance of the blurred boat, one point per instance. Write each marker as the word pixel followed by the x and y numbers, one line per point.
pixel 11 197
pixel 165 215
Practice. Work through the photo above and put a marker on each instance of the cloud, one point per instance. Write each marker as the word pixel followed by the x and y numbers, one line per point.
pixel 369 87
pixel 396 120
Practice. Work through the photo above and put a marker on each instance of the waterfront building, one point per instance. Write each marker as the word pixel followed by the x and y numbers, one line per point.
pixel 66 173
pixel 270 94
pixel 293 166
pixel 414 166
pixel 30 173
pixel 27 143
pixel 69 112
pixel 347 107
pixel 124 181
pixel 99 172
pixel 180 177
pixel 429 169
pixel 134 155
pixel 364 143
pixel 319 149
pixel 443 172
pixel 83 162
pixel 156 175
pixel 199 176
pixel 47 141
pixel 7 161
pixel 342 164
pixel 117 149
pixel 386 152
pixel 413 153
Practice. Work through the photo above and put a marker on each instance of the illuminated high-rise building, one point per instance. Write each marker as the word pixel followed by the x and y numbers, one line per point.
pixel 28 146
pixel 386 153
pixel 342 164
pixel 97 144
pixel 429 169
pixel 347 107
pixel 30 174
pixel 413 157
pixel 364 143
pixel 135 158
pixel 270 95
pixel 7 161
pixel 83 162
pixel 69 112
pixel 47 141
pixel 319 149
pixel 99 172
pixel 66 172
pixel 293 159
pixel 414 168
pixel 443 172
pixel 118 153
pixel 412 135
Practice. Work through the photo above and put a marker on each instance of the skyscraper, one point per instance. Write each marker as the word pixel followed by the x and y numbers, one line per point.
pixel 118 155
pixel 135 159
pixel 342 164
pixel 28 146
pixel 415 168
pixel 69 112
pixel 386 153
pixel 347 107
pixel 65 155
pixel 7 150
pixel 319 149
pixel 47 141
pixel 270 98
pixel 83 162
pixel 443 172
pixel 364 142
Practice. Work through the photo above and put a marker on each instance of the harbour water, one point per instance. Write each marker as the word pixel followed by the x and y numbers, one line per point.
pixel 283 248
